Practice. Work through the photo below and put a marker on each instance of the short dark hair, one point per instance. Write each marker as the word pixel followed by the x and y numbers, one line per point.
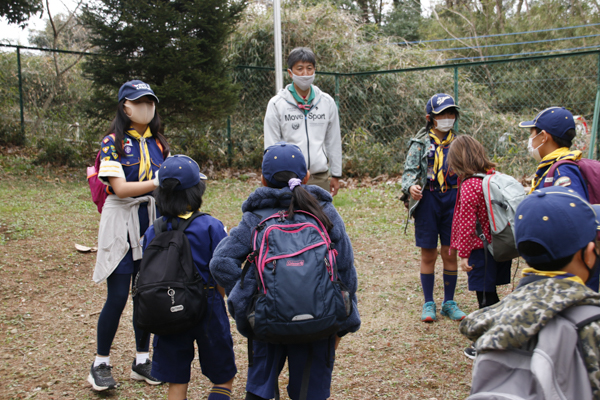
pixel 301 54
pixel 533 249
pixel 565 141
pixel 172 203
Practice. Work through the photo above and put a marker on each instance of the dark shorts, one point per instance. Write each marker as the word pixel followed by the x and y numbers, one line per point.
pixel 173 354
pixel 498 273
pixel 127 265
pixel 433 218
pixel 269 360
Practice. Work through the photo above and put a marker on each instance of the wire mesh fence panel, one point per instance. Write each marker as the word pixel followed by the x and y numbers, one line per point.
pixel 379 111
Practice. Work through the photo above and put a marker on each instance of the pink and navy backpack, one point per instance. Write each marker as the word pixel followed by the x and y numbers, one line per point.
pixel 299 297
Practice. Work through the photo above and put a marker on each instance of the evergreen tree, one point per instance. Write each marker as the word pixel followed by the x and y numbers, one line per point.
pixel 404 20
pixel 177 46
pixel 19 11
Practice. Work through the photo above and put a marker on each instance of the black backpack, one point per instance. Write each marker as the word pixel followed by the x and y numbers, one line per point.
pixel 169 293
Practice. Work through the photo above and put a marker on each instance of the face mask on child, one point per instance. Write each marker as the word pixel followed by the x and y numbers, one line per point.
pixel 444 125
pixel 141 113
pixel 303 82
pixel 535 153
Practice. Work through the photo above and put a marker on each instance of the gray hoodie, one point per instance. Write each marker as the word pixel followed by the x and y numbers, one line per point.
pixel 316 133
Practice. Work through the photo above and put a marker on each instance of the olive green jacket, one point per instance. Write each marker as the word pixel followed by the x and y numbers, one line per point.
pixel 415 167
pixel 516 319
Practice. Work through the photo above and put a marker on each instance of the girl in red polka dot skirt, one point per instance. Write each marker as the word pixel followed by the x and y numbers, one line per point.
pixel 467 157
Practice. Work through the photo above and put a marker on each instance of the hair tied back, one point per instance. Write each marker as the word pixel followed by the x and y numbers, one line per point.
pixel 292 183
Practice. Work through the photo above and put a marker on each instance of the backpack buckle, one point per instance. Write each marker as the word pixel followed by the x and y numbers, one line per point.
pixel 251 257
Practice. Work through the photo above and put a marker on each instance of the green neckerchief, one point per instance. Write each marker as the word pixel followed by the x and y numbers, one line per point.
pixel 299 99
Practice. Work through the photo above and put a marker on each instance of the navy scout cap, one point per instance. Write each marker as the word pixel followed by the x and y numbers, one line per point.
pixel 281 157
pixel 554 120
pixel 548 214
pixel 182 168
pixel 135 89
pixel 439 102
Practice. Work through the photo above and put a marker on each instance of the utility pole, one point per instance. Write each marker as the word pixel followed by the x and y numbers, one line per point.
pixel 277 36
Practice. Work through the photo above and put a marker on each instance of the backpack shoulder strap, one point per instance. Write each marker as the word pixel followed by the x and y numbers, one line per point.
pixel 552 170
pixel 580 316
pixel 160 225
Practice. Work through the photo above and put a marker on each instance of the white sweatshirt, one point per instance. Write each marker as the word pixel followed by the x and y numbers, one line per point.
pixel 316 133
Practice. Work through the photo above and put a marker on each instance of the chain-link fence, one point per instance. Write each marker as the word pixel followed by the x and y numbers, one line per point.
pixel 379 111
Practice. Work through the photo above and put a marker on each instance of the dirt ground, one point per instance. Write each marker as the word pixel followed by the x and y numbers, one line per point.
pixel 50 305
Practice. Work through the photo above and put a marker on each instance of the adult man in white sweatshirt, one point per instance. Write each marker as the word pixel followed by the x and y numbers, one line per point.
pixel 304 115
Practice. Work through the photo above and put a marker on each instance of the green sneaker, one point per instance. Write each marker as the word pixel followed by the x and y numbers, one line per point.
pixel 451 310
pixel 428 314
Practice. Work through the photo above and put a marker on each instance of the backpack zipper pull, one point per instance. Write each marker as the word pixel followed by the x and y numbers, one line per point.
pixel 274 265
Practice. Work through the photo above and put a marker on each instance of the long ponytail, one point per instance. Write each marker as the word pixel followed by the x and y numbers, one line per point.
pixel 303 200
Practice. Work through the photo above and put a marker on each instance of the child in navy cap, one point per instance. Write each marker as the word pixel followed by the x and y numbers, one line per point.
pixel 179 196
pixel 430 186
pixel 284 176
pixel 130 155
pixel 551 135
pixel 556 232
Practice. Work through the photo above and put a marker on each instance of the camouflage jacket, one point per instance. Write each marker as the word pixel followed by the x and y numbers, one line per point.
pixel 415 166
pixel 512 322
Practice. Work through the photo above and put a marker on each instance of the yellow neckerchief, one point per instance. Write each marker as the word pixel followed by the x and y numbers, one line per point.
pixel 562 153
pixel 145 168
pixel 186 215
pixel 438 162
pixel 552 274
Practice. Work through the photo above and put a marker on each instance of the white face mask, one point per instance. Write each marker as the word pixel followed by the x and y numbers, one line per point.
pixel 535 153
pixel 303 82
pixel 444 125
pixel 141 113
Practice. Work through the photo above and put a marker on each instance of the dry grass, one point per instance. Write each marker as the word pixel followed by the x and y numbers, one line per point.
pixel 49 304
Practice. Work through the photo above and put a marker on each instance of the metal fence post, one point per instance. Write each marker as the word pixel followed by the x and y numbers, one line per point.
pixel 20 90
pixel 229 146
pixel 337 91
pixel 456 94
pixel 594 133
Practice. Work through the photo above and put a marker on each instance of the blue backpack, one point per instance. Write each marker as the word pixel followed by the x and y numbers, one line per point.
pixel 299 297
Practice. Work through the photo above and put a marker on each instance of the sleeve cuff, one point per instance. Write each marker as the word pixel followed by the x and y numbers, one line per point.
pixel 110 169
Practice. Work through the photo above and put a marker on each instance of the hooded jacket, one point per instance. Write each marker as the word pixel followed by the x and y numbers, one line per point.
pixel 230 254
pixel 415 167
pixel 516 319
pixel 317 133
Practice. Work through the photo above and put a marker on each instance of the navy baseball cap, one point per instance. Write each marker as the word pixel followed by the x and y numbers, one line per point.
pixel 554 120
pixel 182 168
pixel 439 102
pixel 281 157
pixel 133 90
pixel 557 218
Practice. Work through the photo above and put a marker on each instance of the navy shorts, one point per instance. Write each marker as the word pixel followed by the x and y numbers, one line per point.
pixel 173 354
pixel 433 218
pixel 498 273
pixel 269 360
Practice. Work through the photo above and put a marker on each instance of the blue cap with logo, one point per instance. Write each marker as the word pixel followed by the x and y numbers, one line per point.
pixel 182 168
pixel 281 157
pixel 439 102
pixel 554 120
pixel 558 219
pixel 135 89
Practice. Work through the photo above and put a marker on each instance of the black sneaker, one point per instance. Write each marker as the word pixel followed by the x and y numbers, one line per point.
pixel 141 372
pixel 101 378
pixel 471 352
